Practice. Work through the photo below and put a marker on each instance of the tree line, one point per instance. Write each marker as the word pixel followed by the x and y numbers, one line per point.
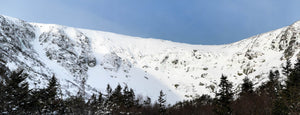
pixel 272 97
pixel 17 98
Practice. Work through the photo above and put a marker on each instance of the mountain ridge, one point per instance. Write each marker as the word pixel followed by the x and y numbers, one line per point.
pixel 87 60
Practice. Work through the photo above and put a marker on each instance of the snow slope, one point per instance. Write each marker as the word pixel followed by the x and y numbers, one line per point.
pixel 88 60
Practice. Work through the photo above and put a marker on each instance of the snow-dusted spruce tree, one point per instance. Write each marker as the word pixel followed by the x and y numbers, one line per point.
pixel 128 98
pixel 52 101
pixel 16 93
pixel 224 97
pixel 116 99
pixel 162 102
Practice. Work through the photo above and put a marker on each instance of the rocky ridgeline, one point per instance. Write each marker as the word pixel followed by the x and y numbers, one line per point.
pixel 185 69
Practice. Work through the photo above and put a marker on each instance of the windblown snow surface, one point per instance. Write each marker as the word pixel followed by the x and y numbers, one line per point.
pixel 88 60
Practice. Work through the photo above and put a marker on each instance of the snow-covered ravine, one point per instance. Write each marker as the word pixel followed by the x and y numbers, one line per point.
pixel 88 60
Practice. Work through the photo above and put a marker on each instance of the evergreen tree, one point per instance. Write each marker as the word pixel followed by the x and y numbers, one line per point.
pixel 269 92
pixel 224 97
pixel 108 103
pixel 116 98
pixel 162 103
pixel 76 104
pixel 100 103
pixel 3 88
pixel 95 104
pixel 45 100
pixel 128 97
pixel 272 87
pixel 294 79
pixel 92 104
pixel 37 101
pixel 16 93
pixel 287 68
pixel 108 90
pixel 291 93
pixel 2 96
pixel 203 100
pixel 247 86
pixel 52 101
pixel 147 102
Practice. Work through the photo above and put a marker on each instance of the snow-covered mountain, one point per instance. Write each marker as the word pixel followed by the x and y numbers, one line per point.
pixel 88 60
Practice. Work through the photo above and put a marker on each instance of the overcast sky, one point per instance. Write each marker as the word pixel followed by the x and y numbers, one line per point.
pixel 188 21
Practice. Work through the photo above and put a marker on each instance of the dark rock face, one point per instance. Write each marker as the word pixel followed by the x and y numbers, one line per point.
pixel 62 49
pixel 15 38
pixel 16 47
pixel 289 40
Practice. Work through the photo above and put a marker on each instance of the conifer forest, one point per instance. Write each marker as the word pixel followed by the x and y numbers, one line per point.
pixel 271 98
